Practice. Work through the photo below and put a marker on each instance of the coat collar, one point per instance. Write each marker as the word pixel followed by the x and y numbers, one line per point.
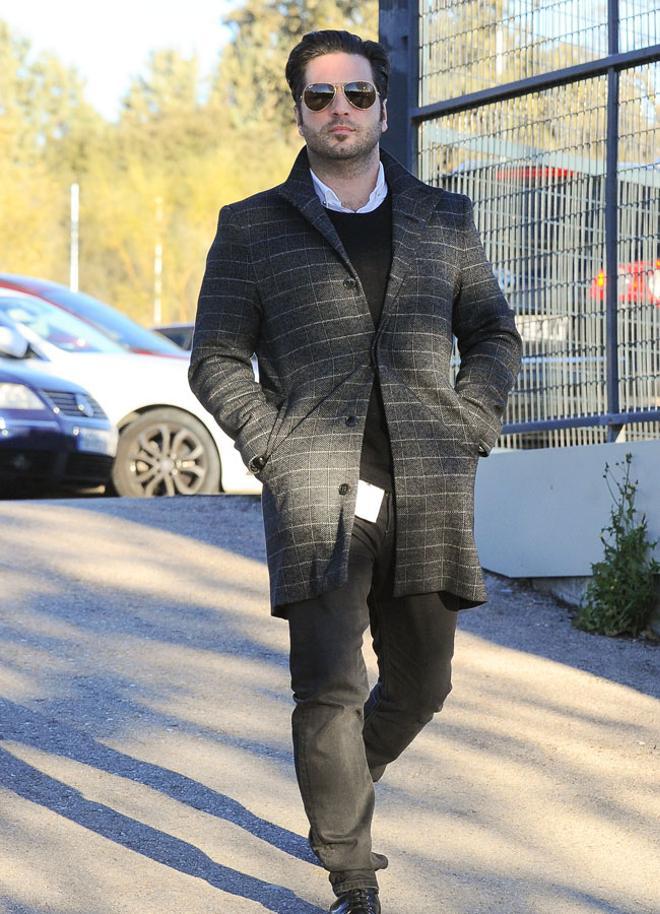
pixel 412 205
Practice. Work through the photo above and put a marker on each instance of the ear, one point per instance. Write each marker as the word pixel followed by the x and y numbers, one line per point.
pixel 383 116
pixel 298 116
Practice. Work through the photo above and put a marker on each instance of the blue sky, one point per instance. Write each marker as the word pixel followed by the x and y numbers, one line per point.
pixel 110 42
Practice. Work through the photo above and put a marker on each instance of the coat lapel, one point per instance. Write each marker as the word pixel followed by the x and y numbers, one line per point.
pixel 298 189
pixel 412 205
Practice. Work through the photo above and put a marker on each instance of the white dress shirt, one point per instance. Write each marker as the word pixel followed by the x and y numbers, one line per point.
pixel 329 198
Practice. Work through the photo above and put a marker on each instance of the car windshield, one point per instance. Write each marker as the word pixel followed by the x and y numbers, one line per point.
pixel 117 326
pixel 55 326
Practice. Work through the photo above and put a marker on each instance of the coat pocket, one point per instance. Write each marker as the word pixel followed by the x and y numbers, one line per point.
pixel 293 415
pixel 486 426
pixel 459 412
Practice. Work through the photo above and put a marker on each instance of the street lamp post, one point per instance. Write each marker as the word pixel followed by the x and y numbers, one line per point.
pixel 158 264
pixel 74 239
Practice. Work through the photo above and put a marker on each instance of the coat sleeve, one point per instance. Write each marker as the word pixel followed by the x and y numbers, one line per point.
pixel 489 345
pixel 227 327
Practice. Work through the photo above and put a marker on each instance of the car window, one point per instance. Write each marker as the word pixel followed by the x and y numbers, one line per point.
pixel 55 326
pixel 182 336
pixel 114 323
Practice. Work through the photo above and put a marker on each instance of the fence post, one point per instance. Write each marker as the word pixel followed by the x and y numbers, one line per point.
pixel 612 224
pixel 394 27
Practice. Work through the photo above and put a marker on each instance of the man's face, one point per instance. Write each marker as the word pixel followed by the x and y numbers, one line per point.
pixel 340 131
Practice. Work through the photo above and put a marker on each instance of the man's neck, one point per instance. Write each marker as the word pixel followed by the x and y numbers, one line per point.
pixel 353 180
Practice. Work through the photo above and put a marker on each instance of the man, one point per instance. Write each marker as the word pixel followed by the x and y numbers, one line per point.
pixel 348 281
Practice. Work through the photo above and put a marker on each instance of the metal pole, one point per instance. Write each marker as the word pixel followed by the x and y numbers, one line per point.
pixel 74 236
pixel 611 224
pixel 538 83
pixel 158 264
pixel 393 28
pixel 412 129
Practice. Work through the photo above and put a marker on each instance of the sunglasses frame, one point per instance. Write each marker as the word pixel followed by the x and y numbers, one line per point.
pixel 341 86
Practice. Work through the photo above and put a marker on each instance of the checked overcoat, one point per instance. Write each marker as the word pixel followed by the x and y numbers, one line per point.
pixel 278 283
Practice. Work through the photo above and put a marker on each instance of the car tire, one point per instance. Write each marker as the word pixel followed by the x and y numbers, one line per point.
pixel 165 452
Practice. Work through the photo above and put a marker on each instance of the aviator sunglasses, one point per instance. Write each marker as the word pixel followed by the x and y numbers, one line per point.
pixel 359 94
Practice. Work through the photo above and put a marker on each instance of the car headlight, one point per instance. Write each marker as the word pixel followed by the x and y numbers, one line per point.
pixel 18 396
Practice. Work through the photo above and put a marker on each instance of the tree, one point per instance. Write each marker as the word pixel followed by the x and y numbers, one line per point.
pixel 42 113
pixel 250 84
pixel 196 150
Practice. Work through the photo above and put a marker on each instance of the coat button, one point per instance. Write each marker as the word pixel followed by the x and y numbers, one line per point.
pixel 350 283
pixel 351 420
pixel 257 463
pixel 344 488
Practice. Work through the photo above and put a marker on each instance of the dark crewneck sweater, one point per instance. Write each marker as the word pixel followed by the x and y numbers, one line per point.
pixel 367 238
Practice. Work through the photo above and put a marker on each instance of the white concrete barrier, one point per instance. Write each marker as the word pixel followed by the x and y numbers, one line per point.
pixel 539 513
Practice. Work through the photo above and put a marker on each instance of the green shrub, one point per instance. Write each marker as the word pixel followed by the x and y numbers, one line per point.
pixel 619 598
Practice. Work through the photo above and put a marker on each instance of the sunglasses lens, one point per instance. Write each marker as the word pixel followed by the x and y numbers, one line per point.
pixel 318 96
pixel 360 95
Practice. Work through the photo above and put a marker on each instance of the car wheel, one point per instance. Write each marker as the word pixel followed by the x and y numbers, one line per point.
pixel 165 452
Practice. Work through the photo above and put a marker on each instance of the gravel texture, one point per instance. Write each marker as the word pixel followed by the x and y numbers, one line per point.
pixel 145 753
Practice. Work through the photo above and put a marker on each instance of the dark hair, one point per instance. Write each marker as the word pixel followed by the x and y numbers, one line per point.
pixel 329 41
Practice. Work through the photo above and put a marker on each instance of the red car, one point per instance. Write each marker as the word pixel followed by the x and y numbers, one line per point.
pixel 113 323
pixel 639 281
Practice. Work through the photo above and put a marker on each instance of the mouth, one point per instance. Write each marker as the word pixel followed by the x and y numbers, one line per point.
pixel 340 128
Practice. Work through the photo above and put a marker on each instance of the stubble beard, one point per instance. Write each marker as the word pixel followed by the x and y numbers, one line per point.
pixel 343 147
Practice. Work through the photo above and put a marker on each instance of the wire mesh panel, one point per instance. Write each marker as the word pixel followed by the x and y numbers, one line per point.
pixel 639 24
pixel 638 207
pixel 467 45
pixel 534 166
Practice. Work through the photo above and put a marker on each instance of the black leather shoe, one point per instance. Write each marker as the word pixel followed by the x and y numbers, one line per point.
pixel 357 901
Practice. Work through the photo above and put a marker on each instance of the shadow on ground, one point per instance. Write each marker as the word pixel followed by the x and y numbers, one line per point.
pixel 130 619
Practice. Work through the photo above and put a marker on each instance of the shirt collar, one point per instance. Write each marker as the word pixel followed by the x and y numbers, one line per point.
pixel 329 198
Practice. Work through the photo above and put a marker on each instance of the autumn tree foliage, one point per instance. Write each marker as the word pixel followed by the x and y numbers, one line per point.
pixel 183 145
pixel 180 149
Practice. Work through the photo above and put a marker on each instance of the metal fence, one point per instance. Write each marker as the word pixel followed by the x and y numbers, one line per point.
pixel 547 114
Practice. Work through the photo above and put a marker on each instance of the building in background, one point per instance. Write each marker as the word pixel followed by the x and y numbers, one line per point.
pixel 547 114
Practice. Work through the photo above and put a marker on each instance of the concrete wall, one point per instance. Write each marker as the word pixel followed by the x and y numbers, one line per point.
pixel 539 513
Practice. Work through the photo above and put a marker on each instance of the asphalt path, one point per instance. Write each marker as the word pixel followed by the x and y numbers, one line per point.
pixel 145 751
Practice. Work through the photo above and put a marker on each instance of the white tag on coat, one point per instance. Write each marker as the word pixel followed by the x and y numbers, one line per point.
pixel 369 500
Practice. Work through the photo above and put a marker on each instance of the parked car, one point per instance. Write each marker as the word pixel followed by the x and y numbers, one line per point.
pixel 168 443
pixel 639 283
pixel 182 335
pixel 52 431
pixel 179 333
pixel 117 325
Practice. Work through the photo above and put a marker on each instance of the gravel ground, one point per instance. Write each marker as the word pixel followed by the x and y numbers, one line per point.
pixel 145 758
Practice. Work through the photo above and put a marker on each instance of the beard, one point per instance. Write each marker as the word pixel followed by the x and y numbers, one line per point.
pixel 339 147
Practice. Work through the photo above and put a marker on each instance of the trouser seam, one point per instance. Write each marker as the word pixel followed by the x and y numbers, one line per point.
pixel 304 774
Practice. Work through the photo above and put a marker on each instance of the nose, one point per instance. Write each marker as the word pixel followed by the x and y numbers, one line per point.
pixel 339 105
